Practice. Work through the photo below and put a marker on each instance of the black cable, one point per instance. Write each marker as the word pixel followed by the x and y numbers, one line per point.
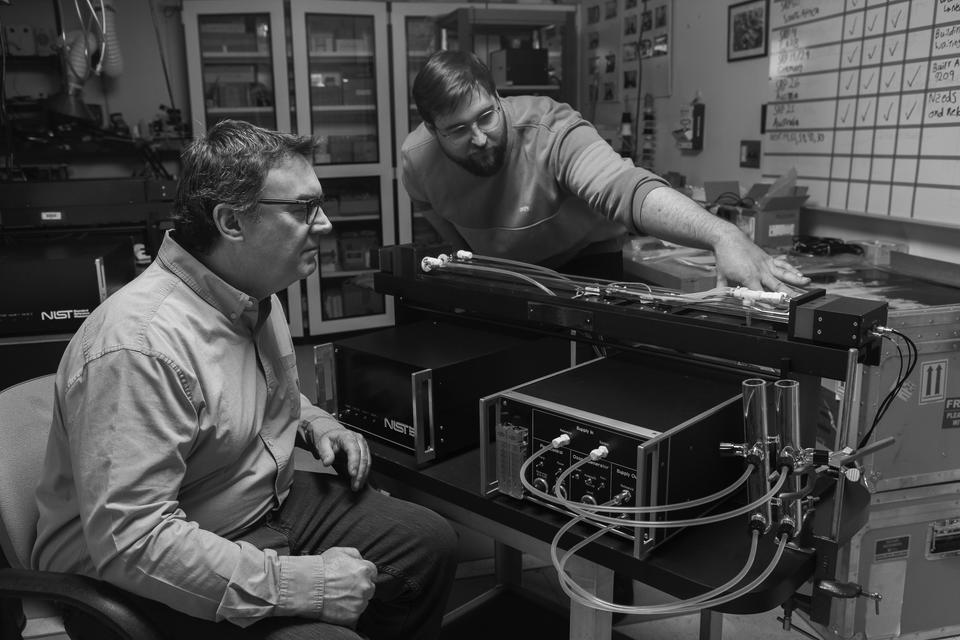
pixel 163 58
pixel 913 355
pixel 733 199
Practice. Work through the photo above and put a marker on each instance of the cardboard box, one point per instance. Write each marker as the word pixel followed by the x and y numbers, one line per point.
pixel 772 220
pixel 770 229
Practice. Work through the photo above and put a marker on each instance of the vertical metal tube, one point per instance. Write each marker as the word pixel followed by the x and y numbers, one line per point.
pixel 756 429
pixel 847 428
pixel 787 426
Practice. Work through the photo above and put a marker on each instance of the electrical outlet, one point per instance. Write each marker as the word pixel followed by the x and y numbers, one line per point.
pixel 750 154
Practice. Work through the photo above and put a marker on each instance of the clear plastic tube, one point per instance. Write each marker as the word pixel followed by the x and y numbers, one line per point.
pixel 697 603
pixel 786 394
pixel 563 502
pixel 667 524
pixel 457 266
pixel 575 591
pixel 756 430
pixel 577 507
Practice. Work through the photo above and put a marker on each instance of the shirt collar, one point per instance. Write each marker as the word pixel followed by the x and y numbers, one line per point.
pixel 229 300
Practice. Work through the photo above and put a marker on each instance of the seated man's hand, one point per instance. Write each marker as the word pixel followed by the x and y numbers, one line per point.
pixel 347 452
pixel 740 261
pixel 347 585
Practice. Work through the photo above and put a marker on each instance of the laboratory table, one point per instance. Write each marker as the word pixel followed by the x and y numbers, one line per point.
pixel 692 561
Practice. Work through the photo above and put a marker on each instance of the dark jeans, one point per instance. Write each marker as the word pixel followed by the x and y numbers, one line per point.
pixel 415 551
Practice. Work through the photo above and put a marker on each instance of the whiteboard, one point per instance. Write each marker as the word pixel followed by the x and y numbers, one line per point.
pixel 864 102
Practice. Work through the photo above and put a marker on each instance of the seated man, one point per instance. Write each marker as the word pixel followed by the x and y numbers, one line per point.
pixel 527 178
pixel 169 469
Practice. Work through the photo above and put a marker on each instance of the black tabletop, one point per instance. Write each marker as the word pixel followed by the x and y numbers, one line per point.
pixel 693 560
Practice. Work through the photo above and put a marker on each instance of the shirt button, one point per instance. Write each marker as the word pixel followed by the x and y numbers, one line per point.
pixel 233 316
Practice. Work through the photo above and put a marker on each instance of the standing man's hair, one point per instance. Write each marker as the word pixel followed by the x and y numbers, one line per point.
pixel 229 165
pixel 447 79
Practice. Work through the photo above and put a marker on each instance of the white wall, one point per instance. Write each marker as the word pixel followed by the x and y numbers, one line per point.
pixel 733 93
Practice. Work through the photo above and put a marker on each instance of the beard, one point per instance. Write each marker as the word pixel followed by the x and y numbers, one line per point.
pixel 485 161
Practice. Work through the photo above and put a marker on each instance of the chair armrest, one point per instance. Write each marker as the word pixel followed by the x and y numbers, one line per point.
pixel 103 601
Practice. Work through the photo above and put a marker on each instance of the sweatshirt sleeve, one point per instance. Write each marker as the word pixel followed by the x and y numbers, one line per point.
pixel 589 167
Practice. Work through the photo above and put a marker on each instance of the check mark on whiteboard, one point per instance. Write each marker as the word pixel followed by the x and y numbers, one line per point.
pixel 896 21
pixel 853 54
pixel 912 107
pixel 892 50
pixel 869 81
pixel 889 81
pixel 853 27
pixel 916 72
pixel 850 80
pixel 873 24
pixel 886 116
pixel 846 112
pixel 866 112
pixel 872 53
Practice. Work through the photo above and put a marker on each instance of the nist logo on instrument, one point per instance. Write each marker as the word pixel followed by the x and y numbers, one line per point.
pixel 64 314
pixel 399 427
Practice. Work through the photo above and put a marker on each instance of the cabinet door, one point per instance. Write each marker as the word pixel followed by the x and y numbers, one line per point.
pixel 342 80
pixel 340 295
pixel 415 36
pixel 236 63
pixel 342 89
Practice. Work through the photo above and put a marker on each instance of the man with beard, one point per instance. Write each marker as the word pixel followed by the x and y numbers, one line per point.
pixel 527 178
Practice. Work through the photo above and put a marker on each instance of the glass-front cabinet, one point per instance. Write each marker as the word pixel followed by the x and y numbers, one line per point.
pixel 415 37
pixel 236 62
pixel 342 98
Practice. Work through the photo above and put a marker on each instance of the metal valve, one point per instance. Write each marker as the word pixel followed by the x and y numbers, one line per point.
pixel 838 589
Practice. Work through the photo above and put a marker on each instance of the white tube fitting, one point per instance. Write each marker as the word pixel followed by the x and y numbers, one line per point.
pixel 751 295
pixel 428 264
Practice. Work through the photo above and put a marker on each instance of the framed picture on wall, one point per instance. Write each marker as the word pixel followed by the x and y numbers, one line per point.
pixel 747 30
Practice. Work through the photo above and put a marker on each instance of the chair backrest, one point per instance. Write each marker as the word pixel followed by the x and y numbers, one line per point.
pixel 26 410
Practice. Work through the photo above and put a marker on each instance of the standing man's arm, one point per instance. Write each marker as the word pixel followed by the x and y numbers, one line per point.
pixel 644 203
pixel 670 215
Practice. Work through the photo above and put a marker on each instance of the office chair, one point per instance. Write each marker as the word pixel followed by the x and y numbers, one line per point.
pixel 25 415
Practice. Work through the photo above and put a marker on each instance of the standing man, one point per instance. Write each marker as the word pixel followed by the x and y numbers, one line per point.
pixel 169 469
pixel 528 178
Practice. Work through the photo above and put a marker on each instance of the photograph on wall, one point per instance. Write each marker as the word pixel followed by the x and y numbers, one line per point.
pixel 593 65
pixel 611 9
pixel 646 20
pixel 609 91
pixel 611 63
pixel 660 17
pixel 747 30
pixel 646 48
pixel 593 14
pixel 660 45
